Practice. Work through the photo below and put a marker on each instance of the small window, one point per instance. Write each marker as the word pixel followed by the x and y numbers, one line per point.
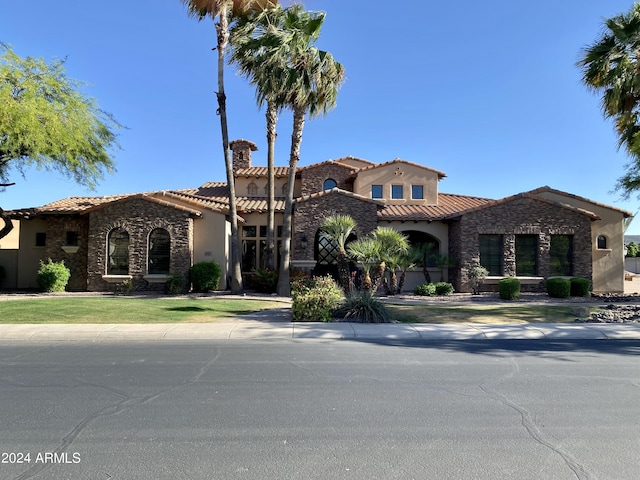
pixel 72 239
pixel 118 251
pixel 602 242
pixel 417 192
pixel 329 184
pixel 285 189
pixel 397 192
pixel 41 239
pixel 376 191
pixel 249 231
pixel 252 189
pixel 159 251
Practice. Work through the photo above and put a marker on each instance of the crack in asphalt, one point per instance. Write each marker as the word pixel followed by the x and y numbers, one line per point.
pixel 535 432
pixel 125 403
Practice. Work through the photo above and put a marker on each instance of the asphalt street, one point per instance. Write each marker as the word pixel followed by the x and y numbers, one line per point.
pixel 368 408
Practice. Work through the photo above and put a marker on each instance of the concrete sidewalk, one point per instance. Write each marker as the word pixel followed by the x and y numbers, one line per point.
pixel 277 325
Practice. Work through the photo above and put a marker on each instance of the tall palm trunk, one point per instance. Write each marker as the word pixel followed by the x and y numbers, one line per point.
pixel 272 120
pixel 222 31
pixel 284 284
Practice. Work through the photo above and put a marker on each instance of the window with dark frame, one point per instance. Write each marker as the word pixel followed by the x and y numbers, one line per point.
pixel 72 239
pixel 376 191
pixel 118 252
pixel 526 255
pixel 159 252
pixel 397 192
pixel 561 255
pixel 254 247
pixel 41 239
pixel 491 253
pixel 602 242
pixel 329 184
pixel 417 192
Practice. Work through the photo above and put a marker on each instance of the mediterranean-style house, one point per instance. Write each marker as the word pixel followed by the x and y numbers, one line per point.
pixel 146 237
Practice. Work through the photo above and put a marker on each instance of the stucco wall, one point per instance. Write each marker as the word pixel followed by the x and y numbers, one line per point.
pixel 30 255
pixel 399 173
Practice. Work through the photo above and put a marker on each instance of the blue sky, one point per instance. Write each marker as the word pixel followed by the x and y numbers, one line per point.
pixel 487 92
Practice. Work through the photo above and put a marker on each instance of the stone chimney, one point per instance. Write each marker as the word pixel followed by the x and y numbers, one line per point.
pixel 242 153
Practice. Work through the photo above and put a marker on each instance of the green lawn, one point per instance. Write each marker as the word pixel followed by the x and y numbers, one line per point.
pixel 126 310
pixel 482 313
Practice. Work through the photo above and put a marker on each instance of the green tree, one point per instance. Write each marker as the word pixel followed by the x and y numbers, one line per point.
pixel 259 50
pixel 365 251
pixel 392 243
pixel 312 80
pixel 222 10
pixel 632 250
pixel 47 123
pixel 338 228
pixel 610 67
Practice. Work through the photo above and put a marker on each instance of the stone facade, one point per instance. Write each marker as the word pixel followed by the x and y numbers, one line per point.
pixel 241 150
pixel 310 213
pixel 312 178
pixel 138 217
pixel 61 231
pixel 519 216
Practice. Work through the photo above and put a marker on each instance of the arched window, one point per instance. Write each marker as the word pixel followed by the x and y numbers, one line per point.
pixel 430 245
pixel 159 251
pixel 118 252
pixel 252 189
pixel 285 187
pixel 329 184
pixel 602 242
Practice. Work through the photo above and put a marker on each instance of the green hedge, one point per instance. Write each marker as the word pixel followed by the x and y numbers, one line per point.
pixel 314 299
pixel 205 276
pixel 558 287
pixel 580 287
pixel 509 288
pixel 53 276
pixel 431 289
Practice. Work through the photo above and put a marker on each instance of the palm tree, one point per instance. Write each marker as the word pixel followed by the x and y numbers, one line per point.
pixel 610 66
pixel 338 228
pixel 422 253
pixel 365 251
pixel 312 81
pixel 406 261
pixel 391 243
pixel 257 47
pixel 221 9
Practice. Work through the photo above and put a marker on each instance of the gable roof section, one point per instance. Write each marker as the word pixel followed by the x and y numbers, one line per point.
pixel 548 189
pixel 260 172
pixel 328 162
pixel 404 162
pixel 338 191
pixel 511 198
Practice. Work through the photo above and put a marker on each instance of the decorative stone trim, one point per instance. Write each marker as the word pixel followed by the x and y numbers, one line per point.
pixel 156 278
pixel 70 248
pixel 117 278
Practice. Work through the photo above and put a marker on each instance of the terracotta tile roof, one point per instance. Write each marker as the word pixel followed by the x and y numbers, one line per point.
pixel 195 200
pixel 338 191
pixel 577 197
pixel 511 198
pixel 448 204
pixel 78 204
pixel 351 157
pixel 398 160
pixel 328 162
pixel 257 205
pixel 279 172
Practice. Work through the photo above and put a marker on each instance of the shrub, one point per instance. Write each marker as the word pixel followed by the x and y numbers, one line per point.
pixel 580 287
pixel 425 290
pixel 444 288
pixel 476 275
pixel 632 250
pixel 558 287
pixel 509 288
pixel 174 285
pixel 53 276
pixel 364 308
pixel 314 299
pixel 263 281
pixel 205 276
pixel 124 287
